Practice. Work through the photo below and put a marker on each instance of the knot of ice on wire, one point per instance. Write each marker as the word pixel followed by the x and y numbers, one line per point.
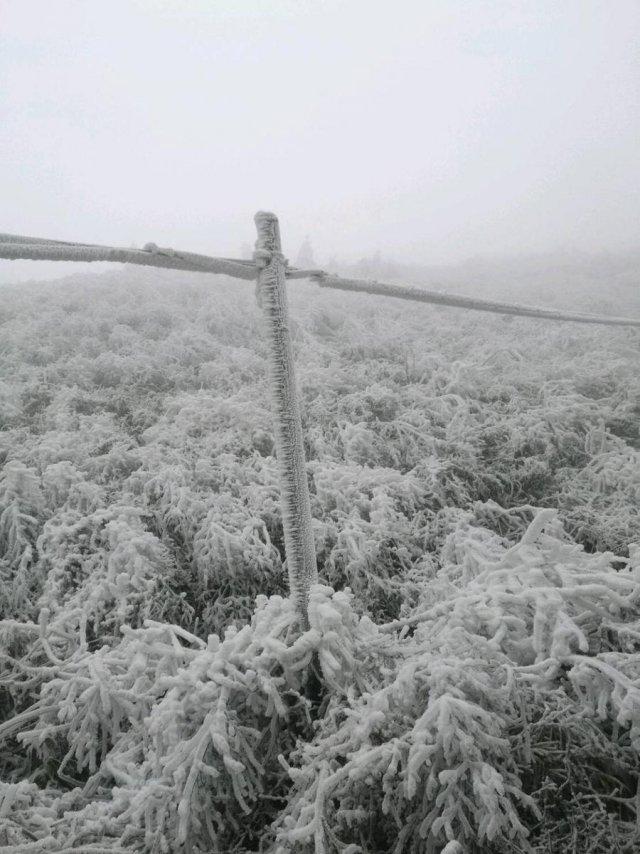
pixel 154 249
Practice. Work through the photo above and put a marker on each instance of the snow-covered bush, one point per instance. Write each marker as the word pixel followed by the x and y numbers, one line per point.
pixel 455 734
pixel 454 723
pixel 469 679
pixel 21 511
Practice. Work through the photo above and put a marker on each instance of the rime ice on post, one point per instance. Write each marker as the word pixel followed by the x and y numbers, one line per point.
pixel 294 490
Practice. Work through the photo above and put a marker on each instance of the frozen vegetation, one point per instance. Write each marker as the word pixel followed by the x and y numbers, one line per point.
pixel 470 677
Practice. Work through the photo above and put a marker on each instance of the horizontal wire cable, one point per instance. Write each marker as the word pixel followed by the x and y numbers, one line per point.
pixel 20 238
pixel 294 273
pixel 15 247
pixel 10 243
pixel 438 298
pixel 155 257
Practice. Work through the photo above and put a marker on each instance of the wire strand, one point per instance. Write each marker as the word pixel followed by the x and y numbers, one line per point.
pixel 14 247
pixel 471 303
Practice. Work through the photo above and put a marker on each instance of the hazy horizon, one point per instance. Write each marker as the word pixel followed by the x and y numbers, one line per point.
pixel 432 132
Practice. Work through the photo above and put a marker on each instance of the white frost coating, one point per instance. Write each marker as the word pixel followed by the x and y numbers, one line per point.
pixel 35 249
pixel 423 295
pixel 294 490
pixel 13 246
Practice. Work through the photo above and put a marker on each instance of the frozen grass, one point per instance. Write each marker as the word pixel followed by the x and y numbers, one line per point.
pixel 475 487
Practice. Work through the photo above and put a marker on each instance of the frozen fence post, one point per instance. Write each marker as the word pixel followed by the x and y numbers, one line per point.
pixel 294 490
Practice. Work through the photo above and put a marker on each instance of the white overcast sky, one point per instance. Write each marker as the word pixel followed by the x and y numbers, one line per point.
pixel 431 130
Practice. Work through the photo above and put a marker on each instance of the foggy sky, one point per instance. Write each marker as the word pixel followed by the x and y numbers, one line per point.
pixel 430 131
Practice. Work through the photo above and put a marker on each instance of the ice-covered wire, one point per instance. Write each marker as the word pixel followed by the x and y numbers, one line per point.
pixel 472 303
pixel 151 256
pixel 13 246
pixel 17 246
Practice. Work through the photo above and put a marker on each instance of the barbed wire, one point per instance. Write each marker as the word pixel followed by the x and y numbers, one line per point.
pixel 14 247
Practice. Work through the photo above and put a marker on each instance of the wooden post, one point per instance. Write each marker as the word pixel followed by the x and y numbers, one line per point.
pixel 294 490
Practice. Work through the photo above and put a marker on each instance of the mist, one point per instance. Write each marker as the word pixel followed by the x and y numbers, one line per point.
pixel 340 556
pixel 430 132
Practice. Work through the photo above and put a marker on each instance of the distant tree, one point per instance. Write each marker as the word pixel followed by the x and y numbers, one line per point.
pixel 305 257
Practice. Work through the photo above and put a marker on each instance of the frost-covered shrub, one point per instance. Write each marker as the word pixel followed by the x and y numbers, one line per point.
pixel 21 513
pixel 452 724
pixel 601 502
pixel 104 570
pixel 188 733
pixel 452 741
pixel 374 530
pixel 468 681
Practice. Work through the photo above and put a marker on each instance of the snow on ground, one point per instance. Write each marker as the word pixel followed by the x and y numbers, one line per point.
pixel 470 680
